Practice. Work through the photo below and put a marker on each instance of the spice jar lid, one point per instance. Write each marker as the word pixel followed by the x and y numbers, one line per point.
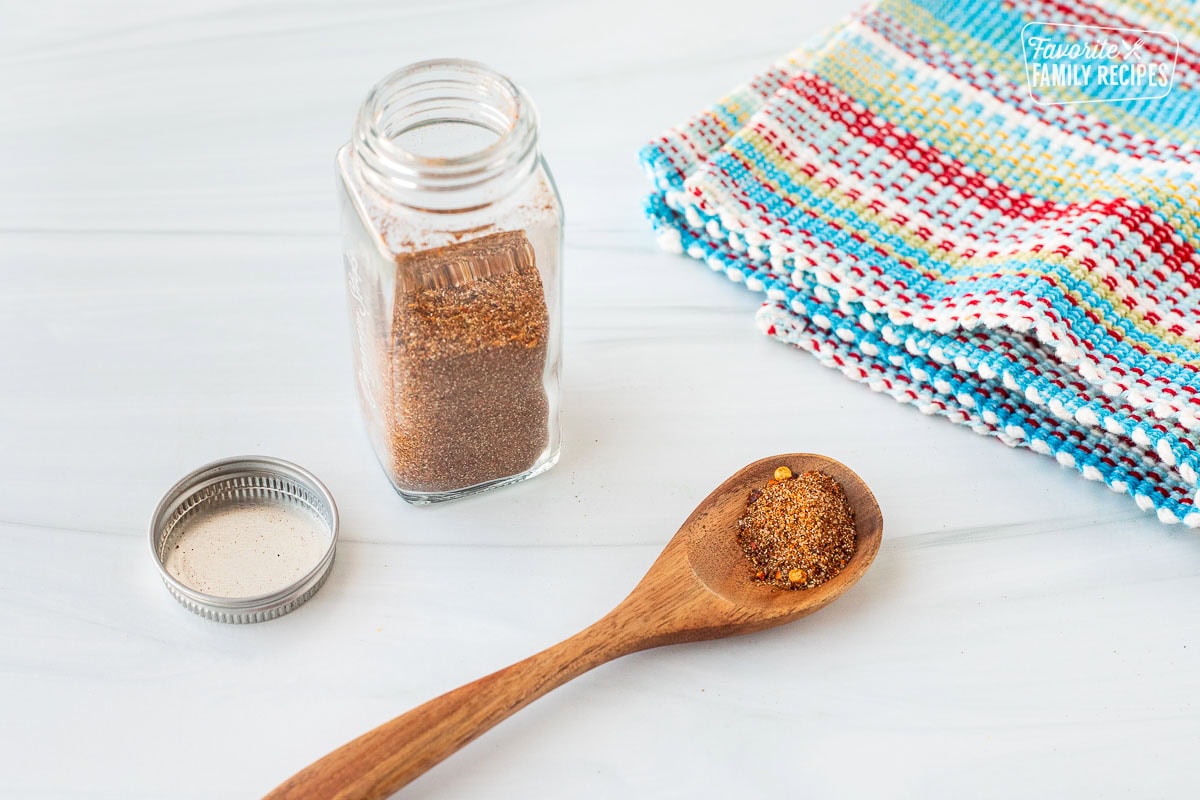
pixel 245 539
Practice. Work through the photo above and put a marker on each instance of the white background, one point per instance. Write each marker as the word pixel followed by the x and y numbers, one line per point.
pixel 171 293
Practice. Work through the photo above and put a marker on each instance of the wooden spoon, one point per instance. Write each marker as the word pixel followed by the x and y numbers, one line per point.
pixel 699 588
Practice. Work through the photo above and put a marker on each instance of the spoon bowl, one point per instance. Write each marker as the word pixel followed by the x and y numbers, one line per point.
pixel 717 559
pixel 700 587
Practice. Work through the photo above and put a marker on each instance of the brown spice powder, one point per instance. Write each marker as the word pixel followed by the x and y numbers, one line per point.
pixel 470 331
pixel 797 532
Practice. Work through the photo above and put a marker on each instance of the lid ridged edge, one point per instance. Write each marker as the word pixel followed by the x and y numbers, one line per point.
pixel 247 617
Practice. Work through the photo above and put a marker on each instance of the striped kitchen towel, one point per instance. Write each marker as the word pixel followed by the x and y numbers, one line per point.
pixel 989 210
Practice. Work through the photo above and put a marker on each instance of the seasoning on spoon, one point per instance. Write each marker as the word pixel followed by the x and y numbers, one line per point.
pixel 798 530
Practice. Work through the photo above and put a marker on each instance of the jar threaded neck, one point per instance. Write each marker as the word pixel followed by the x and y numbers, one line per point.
pixel 446 135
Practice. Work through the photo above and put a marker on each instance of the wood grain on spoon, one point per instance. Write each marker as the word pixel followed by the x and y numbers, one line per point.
pixel 698 588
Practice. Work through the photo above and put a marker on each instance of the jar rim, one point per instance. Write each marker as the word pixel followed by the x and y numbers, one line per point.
pixel 461 91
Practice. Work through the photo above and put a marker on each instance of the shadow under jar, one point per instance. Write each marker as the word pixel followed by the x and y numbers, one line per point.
pixel 452 235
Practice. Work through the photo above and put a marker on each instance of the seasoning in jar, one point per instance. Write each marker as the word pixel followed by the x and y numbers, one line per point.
pixel 798 530
pixel 470 330
pixel 452 234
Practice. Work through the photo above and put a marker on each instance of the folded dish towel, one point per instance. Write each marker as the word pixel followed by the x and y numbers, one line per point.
pixel 1015 249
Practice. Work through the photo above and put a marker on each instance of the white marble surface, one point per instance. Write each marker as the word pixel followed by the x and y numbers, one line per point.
pixel 171 293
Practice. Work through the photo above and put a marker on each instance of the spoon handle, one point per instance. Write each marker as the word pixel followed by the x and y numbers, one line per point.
pixel 379 762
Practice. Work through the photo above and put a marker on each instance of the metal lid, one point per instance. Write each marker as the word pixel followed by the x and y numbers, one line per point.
pixel 245 539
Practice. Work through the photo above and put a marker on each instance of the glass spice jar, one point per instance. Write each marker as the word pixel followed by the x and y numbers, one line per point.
pixel 452 237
